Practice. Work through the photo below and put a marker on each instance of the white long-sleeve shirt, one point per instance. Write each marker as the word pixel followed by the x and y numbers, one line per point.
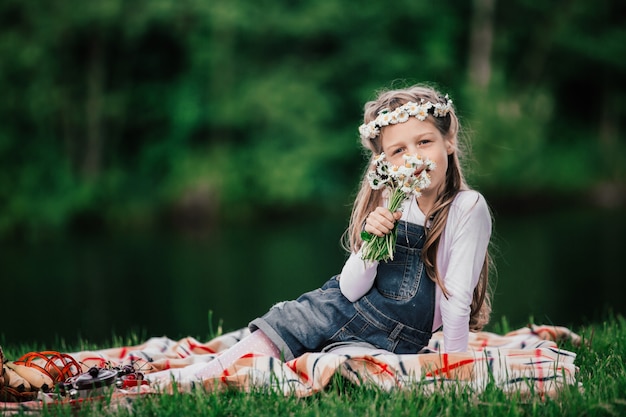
pixel 460 258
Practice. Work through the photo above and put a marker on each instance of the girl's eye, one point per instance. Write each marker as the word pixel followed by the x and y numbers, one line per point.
pixel 397 151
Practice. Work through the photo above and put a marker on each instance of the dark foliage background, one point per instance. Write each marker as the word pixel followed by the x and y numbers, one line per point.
pixel 138 114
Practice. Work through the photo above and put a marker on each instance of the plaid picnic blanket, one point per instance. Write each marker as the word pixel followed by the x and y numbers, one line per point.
pixel 527 360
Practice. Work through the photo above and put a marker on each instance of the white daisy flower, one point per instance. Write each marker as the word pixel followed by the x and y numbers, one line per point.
pixel 422 113
pixel 406 169
pixel 375 181
pixel 364 131
pixel 374 131
pixel 423 180
pixel 369 131
pixel 378 158
pixel 384 119
pixel 394 171
pixel 439 110
pixel 414 160
pixel 407 187
pixel 430 165
pixel 411 108
pixel 442 110
pixel 403 116
pixel 383 168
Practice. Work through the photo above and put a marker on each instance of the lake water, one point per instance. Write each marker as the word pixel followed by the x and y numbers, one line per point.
pixel 558 267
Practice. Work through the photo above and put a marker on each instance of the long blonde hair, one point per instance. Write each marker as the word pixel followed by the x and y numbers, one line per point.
pixel 367 199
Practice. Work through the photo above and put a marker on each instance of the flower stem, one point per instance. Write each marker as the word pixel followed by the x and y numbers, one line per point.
pixel 381 248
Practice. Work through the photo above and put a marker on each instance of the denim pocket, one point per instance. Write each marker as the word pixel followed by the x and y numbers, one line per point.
pixel 355 330
pixel 399 279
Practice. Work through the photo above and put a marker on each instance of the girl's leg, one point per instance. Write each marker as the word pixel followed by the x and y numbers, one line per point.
pixel 256 342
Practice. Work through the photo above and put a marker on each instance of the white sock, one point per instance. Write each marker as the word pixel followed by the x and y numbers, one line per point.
pixel 163 378
pixel 256 342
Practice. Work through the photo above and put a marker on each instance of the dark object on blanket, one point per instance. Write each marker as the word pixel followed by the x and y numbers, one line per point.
pixel 94 382
pixel 97 381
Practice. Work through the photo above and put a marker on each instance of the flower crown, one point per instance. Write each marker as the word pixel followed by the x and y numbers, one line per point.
pixel 401 114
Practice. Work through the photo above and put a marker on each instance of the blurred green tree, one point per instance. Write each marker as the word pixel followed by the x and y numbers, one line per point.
pixel 127 112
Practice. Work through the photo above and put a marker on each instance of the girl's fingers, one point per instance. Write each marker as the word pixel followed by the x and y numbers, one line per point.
pixel 384 215
pixel 374 230
pixel 381 221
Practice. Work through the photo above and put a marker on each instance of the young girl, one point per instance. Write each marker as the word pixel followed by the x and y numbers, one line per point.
pixel 439 272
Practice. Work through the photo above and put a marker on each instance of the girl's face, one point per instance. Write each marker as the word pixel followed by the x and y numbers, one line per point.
pixel 419 138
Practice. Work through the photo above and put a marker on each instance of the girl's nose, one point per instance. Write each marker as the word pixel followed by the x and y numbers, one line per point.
pixel 413 150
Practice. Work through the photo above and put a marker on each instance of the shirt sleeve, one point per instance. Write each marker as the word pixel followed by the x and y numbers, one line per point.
pixel 460 261
pixel 357 277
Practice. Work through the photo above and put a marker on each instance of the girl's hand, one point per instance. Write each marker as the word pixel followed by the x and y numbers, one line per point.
pixel 381 221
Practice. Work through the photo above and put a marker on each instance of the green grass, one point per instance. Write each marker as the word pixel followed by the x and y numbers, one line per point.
pixel 602 374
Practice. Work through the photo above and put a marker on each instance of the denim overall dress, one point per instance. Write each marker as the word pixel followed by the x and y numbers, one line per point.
pixel 396 314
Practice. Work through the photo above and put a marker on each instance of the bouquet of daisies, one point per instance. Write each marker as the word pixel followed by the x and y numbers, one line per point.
pixel 402 182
